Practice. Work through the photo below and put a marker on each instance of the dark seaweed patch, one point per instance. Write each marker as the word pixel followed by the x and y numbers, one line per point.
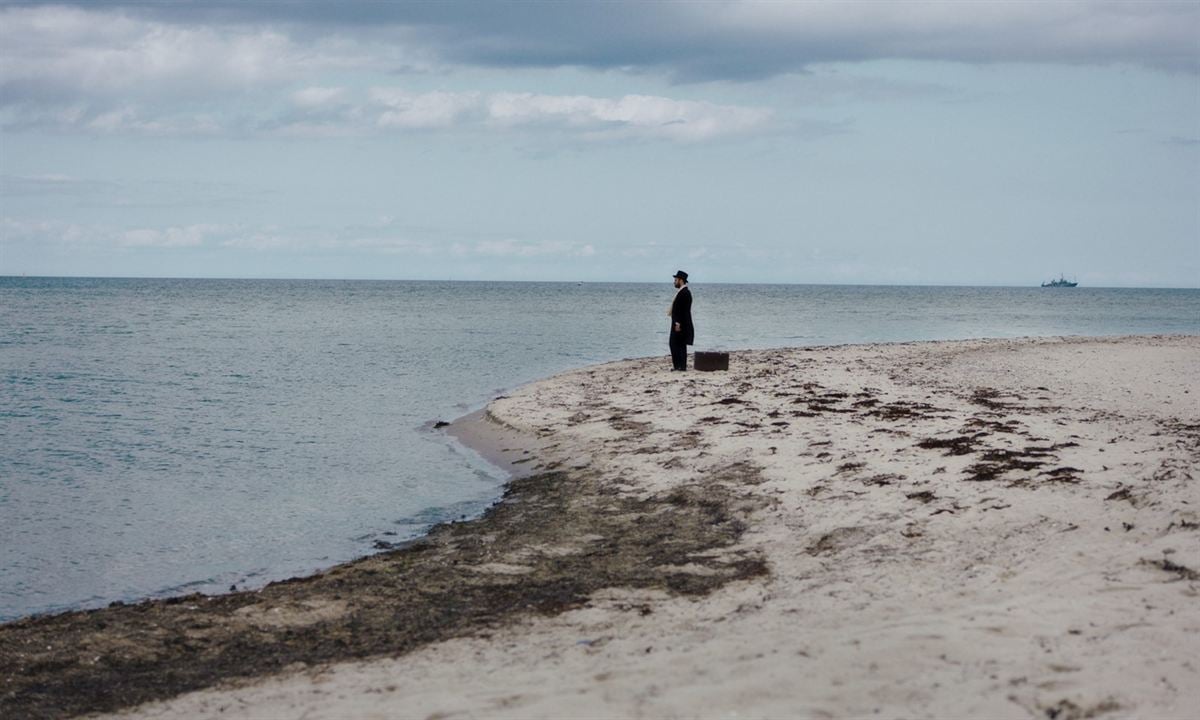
pixel 1067 710
pixel 883 479
pixel 1183 572
pixel 996 463
pixel 989 398
pixel 1063 475
pixel 901 411
pixel 1122 494
pixel 961 445
pixel 924 496
pixel 388 604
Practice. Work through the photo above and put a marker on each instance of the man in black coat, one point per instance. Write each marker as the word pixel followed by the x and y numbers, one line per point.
pixel 682 331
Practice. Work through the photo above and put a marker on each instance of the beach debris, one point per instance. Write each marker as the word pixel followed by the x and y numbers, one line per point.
pixel 988 398
pixel 1167 565
pixel 998 462
pixel 827 402
pixel 959 445
pixel 901 410
pixel 1063 475
pixel 622 423
pixel 980 424
pixel 840 539
pixel 882 479
pixel 1067 710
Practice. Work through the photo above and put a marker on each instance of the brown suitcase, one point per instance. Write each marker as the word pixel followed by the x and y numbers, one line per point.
pixel 709 361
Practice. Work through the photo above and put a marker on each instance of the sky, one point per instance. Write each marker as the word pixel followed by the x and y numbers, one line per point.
pixel 946 143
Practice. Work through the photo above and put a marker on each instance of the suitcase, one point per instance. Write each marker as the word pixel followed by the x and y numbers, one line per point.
pixel 709 361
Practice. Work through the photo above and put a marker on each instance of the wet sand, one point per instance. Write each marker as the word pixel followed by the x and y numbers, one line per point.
pixel 981 528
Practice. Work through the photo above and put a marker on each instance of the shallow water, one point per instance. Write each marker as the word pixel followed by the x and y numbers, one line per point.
pixel 167 436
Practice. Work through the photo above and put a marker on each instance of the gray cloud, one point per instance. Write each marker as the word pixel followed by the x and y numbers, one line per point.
pixel 728 40
pixel 222 68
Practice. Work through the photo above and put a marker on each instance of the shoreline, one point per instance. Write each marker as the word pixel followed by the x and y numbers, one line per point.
pixel 666 514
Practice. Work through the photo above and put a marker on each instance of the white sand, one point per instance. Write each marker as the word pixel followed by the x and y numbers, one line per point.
pixel 1012 597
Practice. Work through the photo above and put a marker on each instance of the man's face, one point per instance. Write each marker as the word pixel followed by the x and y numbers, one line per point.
pixel 678 283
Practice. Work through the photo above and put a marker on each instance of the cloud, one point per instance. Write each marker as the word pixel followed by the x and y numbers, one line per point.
pixel 436 109
pixel 70 53
pixel 749 40
pixel 737 39
pixel 68 69
pixel 380 237
pixel 70 57
pixel 68 236
pixel 130 120
pixel 318 97
pixel 265 239
pixel 394 109
pixel 117 71
pixel 202 68
pixel 630 116
pixel 746 40
pixel 510 248
pixel 40 232
pixel 171 237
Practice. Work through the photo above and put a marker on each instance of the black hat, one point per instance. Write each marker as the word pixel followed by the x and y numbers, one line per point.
pixel 681 275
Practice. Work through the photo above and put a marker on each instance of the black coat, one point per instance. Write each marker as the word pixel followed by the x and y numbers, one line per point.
pixel 681 312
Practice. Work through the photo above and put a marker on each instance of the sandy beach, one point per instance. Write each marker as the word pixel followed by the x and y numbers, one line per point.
pixel 992 528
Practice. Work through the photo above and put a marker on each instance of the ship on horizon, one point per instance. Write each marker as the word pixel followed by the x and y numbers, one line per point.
pixel 1060 282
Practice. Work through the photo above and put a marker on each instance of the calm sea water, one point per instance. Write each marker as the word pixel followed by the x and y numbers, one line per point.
pixel 167 436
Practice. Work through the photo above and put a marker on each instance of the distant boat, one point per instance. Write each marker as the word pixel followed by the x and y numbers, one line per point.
pixel 1060 282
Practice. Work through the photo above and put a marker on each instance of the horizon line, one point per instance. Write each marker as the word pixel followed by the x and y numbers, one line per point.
pixel 565 282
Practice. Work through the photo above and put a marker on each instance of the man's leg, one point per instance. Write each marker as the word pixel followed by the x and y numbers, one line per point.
pixel 678 351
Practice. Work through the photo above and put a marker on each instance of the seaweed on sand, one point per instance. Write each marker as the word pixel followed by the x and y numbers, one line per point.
pixel 959 445
pixel 524 556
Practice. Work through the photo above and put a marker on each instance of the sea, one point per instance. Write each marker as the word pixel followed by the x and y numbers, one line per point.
pixel 164 437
